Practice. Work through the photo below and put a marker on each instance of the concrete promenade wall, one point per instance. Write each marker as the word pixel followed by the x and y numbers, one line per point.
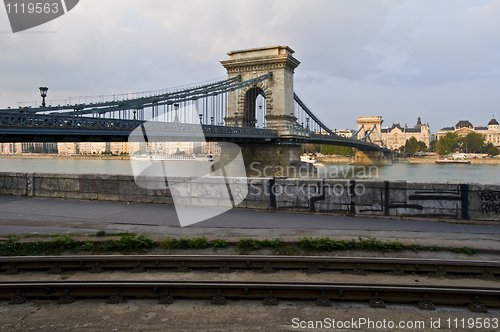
pixel 359 197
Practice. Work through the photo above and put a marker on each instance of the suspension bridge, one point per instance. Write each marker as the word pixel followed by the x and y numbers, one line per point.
pixel 254 107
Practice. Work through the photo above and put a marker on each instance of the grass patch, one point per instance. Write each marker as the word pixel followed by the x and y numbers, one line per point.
pixel 463 250
pixel 50 235
pixel 185 243
pixel 373 244
pixel 326 244
pixel 103 233
pixel 66 242
pixel 219 243
pixel 416 247
pixel 253 244
pixel 433 248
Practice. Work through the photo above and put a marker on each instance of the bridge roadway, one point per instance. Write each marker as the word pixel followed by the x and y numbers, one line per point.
pixel 21 215
pixel 16 127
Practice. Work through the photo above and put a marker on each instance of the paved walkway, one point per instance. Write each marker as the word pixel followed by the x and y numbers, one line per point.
pixel 21 215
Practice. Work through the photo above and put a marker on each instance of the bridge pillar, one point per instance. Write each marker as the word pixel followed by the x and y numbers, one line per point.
pixel 268 160
pixel 277 91
pixel 376 158
pixel 371 124
pixel 265 160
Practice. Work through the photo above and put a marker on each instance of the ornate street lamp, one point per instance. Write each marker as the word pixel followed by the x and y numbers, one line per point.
pixel 236 119
pixel 201 118
pixel 43 93
pixel 176 107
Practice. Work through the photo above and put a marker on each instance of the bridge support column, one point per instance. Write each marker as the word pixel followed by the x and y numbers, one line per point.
pixel 377 158
pixel 270 160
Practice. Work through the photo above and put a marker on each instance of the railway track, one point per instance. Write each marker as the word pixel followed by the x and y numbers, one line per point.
pixel 265 264
pixel 323 293
pixel 376 295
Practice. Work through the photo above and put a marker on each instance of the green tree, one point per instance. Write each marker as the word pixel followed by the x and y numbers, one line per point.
pixel 411 145
pixel 336 149
pixel 447 143
pixel 422 147
pixel 473 142
pixel 493 151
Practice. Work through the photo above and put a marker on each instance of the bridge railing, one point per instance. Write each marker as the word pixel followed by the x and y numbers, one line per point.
pixel 19 119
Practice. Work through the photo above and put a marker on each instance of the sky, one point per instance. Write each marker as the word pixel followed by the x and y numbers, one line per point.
pixel 439 60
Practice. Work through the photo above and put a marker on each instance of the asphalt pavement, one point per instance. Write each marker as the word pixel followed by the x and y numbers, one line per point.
pixel 24 215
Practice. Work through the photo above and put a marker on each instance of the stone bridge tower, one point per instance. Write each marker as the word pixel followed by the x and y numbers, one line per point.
pixel 366 124
pixel 277 91
pixel 372 125
pixel 265 160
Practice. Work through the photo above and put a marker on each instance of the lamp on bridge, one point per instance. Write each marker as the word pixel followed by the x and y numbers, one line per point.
pixel 201 118
pixel 134 113
pixel 43 93
pixel 307 120
pixel 236 119
pixel 176 107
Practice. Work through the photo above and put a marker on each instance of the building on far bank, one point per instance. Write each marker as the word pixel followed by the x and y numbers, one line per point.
pixel 116 148
pixel 344 133
pixel 464 127
pixel 66 149
pixel 395 137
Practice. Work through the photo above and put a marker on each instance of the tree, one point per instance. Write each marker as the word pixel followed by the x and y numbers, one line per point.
pixel 336 149
pixel 447 143
pixel 411 145
pixel 432 146
pixel 493 151
pixel 473 142
pixel 422 147
pixel 310 148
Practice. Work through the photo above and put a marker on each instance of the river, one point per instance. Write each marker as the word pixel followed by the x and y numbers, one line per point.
pixel 459 173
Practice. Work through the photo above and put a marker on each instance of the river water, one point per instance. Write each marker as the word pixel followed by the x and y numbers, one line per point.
pixel 459 173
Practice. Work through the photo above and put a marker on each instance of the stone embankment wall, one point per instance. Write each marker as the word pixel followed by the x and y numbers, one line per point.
pixel 359 197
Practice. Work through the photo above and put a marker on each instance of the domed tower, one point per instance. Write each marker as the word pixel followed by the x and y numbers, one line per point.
pixel 493 124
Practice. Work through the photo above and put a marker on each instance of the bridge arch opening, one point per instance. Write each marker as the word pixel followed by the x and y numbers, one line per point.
pixel 254 108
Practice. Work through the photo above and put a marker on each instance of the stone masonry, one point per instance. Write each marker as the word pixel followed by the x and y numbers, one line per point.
pixel 357 197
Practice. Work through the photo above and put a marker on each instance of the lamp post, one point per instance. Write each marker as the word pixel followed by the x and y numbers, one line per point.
pixel 43 93
pixel 176 107
pixel 236 119
pixel 201 118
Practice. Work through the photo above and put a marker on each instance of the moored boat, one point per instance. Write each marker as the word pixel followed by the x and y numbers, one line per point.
pixel 172 157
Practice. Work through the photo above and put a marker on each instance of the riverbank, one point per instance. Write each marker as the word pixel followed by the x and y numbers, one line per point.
pixel 56 156
pixel 334 160
pixel 426 160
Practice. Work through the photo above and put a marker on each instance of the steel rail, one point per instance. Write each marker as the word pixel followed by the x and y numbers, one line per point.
pixel 478 298
pixel 226 263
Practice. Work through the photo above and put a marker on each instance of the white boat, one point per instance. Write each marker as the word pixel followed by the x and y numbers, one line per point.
pixel 457 159
pixel 308 159
pixel 172 157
